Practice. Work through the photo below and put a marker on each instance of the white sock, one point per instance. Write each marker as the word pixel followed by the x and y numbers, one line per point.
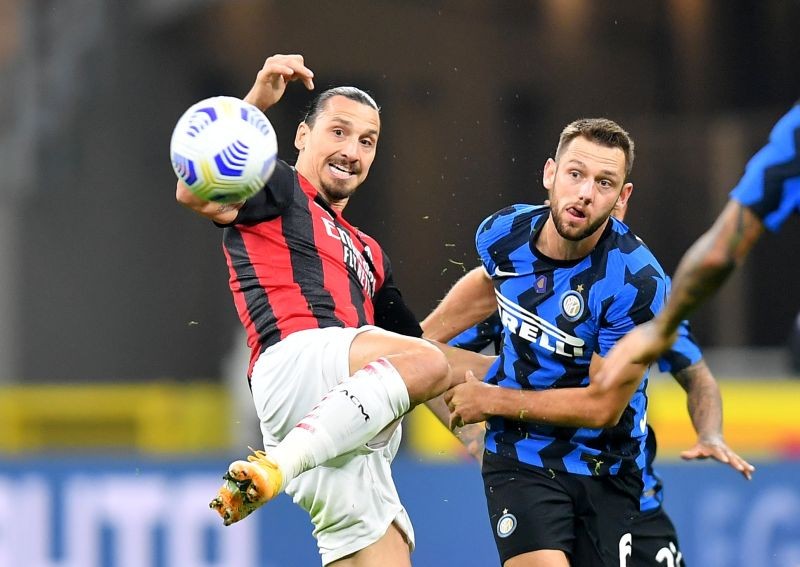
pixel 346 418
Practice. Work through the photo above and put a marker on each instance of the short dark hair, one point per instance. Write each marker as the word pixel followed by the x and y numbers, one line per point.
pixel 601 131
pixel 353 93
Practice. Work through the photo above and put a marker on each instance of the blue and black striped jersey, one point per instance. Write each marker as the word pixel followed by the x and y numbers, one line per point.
pixel 556 315
pixel 770 186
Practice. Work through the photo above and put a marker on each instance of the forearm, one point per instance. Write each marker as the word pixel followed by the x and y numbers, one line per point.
pixel 703 400
pixel 470 301
pixel 222 213
pixel 709 262
pixel 562 407
pixel 461 360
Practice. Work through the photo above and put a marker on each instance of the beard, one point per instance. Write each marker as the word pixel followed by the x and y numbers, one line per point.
pixel 337 191
pixel 576 234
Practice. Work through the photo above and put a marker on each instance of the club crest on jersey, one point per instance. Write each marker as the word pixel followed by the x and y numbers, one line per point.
pixel 506 525
pixel 572 305
pixel 540 286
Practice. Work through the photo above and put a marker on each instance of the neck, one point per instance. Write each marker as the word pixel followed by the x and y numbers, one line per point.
pixel 553 245
pixel 337 205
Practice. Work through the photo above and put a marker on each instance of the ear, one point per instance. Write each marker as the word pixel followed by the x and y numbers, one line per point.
pixel 549 174
pixel 624 195
pixel 300 136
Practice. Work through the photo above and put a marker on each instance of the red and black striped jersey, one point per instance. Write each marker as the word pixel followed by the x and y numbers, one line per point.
pixel 296 264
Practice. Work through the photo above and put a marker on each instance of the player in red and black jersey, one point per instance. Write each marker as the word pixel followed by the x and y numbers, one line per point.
pixel 329 385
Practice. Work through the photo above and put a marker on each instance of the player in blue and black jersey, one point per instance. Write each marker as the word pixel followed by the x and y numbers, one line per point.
pixel 563 468
pixel 765 197
pixel 654 536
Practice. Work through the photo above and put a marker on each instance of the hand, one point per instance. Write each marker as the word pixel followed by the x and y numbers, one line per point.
pixel 472 437
pixel 466 400
pixel 273 77
pixel 718 450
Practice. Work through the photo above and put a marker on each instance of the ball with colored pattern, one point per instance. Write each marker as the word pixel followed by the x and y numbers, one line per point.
pixel 224 149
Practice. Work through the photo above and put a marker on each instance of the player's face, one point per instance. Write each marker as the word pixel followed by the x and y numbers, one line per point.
pixel 336 153
pixel 584 185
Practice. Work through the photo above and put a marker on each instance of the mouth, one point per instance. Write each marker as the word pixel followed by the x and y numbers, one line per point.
pixel 340 170
pixel 575 212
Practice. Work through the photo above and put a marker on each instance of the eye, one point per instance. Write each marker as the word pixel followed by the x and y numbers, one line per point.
pixel 367 143
pixel 338 132
pixel 574 174
pixel 605 184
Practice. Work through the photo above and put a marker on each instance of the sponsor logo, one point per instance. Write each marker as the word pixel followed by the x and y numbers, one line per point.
pixel 498 273
pixel 536 330
pixel 506 525
pixel 357 403
pixel 352 258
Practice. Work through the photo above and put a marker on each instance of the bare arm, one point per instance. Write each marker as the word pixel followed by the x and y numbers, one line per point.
pixel 268 88
pixel 469 301
pixel 598 405
pixel 704 404
pixel 709 262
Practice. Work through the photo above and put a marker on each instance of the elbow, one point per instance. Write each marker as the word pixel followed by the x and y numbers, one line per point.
pixel 608 417
pixel 607 410
pixel 182 194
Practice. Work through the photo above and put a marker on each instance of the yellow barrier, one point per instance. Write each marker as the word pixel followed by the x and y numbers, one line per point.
pixel 761 420
pixel 155 418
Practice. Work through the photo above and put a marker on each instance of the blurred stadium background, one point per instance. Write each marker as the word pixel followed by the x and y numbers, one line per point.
pixel 122 390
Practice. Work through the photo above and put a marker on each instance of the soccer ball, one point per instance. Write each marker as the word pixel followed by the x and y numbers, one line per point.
pixel 224 149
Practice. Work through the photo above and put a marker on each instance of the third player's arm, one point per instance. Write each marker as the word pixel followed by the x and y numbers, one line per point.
pixel 709 262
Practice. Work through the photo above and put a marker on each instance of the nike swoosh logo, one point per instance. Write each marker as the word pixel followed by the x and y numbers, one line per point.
pixel 503 274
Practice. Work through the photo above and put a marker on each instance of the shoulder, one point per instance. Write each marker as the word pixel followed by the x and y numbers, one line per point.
pixel 506 219
pixel 631 253
pixel 273 200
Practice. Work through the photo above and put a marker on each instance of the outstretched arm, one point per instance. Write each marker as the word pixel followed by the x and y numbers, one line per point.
pixel 268 88
pixel 598 405
pixel 709 262
pixel 704 404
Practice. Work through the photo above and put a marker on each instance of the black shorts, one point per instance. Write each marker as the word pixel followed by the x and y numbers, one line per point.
pixel 655 542
pixel 587 517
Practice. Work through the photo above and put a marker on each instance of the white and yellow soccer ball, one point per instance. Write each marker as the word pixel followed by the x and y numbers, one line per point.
pixel 224 149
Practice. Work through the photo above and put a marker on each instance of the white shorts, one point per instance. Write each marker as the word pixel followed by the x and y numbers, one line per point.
pixel 352 499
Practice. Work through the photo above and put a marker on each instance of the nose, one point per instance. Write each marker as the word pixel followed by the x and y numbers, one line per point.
pixel 586 190
pixel 350 148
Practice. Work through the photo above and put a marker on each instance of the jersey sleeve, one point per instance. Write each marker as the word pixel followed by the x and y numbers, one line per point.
pixel 497 232
pixel 683 354
pixel 641 297
pixel 272 200
pixel 480 336
pixel 770 186
pixel 391 311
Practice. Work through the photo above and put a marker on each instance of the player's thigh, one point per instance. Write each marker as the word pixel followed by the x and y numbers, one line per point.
pixel 655 541
pixel 529 511
pixel 391 550
pixel 352 501
pixel 606 508
pixel 291 377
